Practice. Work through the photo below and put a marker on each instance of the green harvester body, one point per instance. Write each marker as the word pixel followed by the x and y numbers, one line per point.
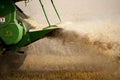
pixel 13 35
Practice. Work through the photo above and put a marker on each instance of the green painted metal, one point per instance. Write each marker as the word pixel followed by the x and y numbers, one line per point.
pixel 33 36
pixel 44 11
pixel 55 10
pixel 10 31
pixel 13 33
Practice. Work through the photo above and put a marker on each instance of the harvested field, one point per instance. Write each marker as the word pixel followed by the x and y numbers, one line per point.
pixel 58 75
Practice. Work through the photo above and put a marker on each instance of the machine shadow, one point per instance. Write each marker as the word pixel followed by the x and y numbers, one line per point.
pixel 11 61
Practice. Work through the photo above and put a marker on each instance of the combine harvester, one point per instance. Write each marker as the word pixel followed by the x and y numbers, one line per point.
pixel 14 30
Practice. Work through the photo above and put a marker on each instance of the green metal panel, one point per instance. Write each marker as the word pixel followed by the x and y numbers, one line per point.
pixel 33 36
pixel 11 34
pixel 10 31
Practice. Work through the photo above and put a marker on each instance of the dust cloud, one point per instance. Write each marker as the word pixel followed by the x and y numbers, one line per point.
pixel 89 38
pixel 72 48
